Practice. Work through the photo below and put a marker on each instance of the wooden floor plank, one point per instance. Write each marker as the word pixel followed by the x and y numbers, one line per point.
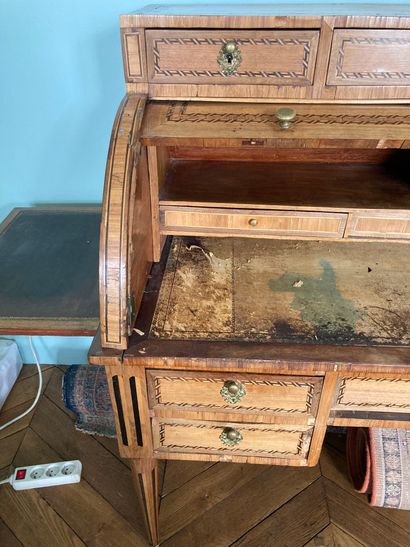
pixel 8 449
pixel 91 517
pixel 31 370
pixel 54 393
pixel 54 389
pixel 24 391
pixel 112 446
pixel 57 430
pixel 10 414
pixel 230 519
pixel 180 472
pixel 332 536
pixel 198 495
pixel 33 521
pixel 334 467
pixel 294 523
pixel 361 521
pixel 7 538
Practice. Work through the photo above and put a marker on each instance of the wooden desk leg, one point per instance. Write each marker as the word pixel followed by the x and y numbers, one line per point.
pixel 128 390
pixel 145 476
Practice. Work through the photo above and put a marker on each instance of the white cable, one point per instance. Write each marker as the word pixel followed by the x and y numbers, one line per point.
pixel 40 387
pixel 7 481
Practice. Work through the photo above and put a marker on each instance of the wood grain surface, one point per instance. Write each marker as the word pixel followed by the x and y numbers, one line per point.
pixel 126 241
pixel 198 123
pixel 283 291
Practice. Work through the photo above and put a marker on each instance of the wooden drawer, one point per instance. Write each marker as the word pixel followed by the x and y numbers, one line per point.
pixel 373 394
pixel 370 57
pixel 188 220
pixel 380 225
pixel 273 441
pixel 281 57
pixel 257 394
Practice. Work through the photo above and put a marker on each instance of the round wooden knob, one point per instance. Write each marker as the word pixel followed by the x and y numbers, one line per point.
pixel 253 222
pixel 285 117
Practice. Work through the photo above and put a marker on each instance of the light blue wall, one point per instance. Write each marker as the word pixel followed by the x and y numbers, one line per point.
pixel 61 82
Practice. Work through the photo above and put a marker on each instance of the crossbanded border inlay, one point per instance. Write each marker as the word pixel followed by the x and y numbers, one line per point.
pixel 298 452
pixel 342 390
pixel 125 132
pixel 178 113
pixel 240 73
pixel 309 394
pixel 369 75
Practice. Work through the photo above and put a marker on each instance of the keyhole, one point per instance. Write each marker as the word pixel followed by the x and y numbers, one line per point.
pixel 229 58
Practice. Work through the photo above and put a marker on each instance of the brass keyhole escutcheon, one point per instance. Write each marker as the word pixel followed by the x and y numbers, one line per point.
pixel 232 391
pixel 230 436
pixel 229 58
pixel 285 117
pixel 253 222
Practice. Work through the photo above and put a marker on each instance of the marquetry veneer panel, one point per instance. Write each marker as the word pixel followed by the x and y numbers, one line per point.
pixel 285 441
pixel 296 395
pixel 380 225
pixel 133 52
pixel 191 220
pixel 284 57
pixel 370 57
pixel 373 394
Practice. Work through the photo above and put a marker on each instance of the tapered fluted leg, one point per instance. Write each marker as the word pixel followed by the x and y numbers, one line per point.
pixel 145 475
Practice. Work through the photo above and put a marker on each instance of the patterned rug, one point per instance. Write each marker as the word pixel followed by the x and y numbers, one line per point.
pixel 379 465
pixel 85 392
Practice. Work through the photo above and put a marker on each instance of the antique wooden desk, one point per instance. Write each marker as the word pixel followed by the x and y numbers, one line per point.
pixel 274 148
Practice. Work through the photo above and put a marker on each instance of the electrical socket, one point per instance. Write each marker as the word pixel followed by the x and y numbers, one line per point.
pixel 48 474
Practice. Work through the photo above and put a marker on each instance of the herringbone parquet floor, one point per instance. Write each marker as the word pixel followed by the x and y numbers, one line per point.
pixel 202 504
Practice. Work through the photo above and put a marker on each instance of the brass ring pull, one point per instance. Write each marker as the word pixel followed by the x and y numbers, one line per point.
pixel 229 58
pixel 230 436
pixel 232 391
pixel 285 117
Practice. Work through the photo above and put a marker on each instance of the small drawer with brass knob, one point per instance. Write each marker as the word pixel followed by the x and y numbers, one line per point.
pixel 247 439
pixel 294 398
pixel 210 221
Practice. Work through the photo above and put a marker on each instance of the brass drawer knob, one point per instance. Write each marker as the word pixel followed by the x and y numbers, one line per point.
pixel 253 222
pixel 229 58
pixel 285 117
pixel 230 436
pixel 232 391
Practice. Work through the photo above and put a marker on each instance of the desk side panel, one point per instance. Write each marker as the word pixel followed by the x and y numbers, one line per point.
pixel 126 234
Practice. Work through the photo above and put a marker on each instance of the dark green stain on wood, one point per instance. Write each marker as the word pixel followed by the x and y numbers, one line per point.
pixel 321 304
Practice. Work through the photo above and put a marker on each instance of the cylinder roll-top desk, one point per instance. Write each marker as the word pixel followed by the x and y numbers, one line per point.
pixel 254 257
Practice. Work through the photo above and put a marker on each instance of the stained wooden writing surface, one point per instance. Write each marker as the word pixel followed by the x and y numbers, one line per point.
pixel 285 292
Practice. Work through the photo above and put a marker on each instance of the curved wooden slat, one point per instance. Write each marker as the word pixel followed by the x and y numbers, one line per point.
pixel 126 235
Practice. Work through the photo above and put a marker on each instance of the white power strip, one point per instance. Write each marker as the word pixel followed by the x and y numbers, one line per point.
pixel 48 474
